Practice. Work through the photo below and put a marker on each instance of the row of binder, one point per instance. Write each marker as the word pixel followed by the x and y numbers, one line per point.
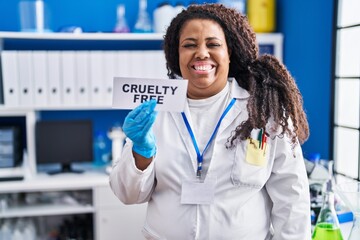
pixel 72 78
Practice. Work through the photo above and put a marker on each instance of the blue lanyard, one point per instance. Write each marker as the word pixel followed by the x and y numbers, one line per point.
pixel 201 155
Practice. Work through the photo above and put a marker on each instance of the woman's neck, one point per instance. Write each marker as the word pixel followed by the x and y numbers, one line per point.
pixel 205 93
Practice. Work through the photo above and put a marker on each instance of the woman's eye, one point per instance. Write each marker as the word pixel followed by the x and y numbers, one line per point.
pixel 210 45
pixel 189 45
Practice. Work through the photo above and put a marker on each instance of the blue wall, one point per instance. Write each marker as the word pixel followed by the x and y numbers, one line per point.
pixel 307 29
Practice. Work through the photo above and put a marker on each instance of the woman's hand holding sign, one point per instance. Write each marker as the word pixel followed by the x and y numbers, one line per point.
pixel 138 127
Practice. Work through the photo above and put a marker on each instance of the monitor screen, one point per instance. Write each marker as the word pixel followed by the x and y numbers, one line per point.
pixel 64 142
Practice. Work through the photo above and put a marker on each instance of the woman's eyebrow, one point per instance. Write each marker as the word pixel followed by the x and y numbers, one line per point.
pixel 189 39
pixel 193 39
pixel 212 38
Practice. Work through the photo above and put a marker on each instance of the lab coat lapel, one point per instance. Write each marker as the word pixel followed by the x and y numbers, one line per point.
pixel 185 136
pixel 230 117
pixel 241 96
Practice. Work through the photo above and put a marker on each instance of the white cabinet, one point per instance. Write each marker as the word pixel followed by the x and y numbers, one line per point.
pixel 58 198
pixel 115 220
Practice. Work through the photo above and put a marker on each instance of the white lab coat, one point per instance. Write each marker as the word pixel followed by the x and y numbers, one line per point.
pixel 251 202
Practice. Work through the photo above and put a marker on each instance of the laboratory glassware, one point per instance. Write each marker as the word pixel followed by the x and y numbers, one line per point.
pixel 327 225
pixel 143 23
pixel 117 137
pixel 121 23
pixel 349 192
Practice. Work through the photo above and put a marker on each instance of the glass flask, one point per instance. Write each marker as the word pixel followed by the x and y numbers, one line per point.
pixel 350 194
pixel 121 24
pixel 143 22
pixel 327 225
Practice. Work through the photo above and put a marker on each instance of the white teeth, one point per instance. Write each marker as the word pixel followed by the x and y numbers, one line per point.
pixel 203 67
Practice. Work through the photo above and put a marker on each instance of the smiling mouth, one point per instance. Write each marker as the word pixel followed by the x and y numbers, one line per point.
pixel 203 68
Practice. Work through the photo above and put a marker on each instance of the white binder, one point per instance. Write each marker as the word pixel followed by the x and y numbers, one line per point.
pixel 96 78
pixel 54 78
pixel 147 69
pixel 155 64
pixel 68 77
pixel 160 68
pixel 122 68
pixel 136 61
pixel 110 58
pixel 26 82
pixel 82 78
pixel 10 77
pixel 39 64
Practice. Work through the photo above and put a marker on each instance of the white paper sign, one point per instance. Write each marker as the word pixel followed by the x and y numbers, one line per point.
pixel 170 94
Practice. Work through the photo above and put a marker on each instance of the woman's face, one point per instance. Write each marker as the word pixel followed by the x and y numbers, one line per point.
pixel 203 57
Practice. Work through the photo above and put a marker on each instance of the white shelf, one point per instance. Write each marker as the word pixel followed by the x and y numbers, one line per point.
pixel 269 37
pixel 20 111
pixel 14 112
pixel 45 210
pixel 81 36
pixel 12 172
pixel 43 182
pixel 63 181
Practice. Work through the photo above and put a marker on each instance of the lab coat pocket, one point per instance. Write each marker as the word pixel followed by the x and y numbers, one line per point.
pixel 255 154
pixel 250 167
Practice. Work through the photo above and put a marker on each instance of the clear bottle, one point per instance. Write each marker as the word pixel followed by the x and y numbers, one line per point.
pixel 143 23
pixel 121 23
pixel 101 155
pixel 6 229
pixel 117 137
pixel 30 229
pixel 327 225
pixel 18 232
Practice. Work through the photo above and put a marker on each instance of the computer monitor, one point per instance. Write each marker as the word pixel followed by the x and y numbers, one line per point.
pixel 64 142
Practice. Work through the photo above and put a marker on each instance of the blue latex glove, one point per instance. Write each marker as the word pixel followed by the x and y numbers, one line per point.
pixel 138 127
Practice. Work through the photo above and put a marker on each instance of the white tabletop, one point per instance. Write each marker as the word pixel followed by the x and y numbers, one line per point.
pixel 66 181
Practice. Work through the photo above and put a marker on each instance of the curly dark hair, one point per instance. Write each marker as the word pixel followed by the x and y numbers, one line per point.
pixel 274 94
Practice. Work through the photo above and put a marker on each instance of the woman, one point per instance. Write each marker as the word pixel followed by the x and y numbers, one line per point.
pixel 230 166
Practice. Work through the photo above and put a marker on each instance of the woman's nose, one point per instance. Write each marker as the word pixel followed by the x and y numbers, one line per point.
pixel 202 52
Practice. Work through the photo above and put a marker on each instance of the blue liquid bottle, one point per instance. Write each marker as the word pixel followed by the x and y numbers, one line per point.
pixel 101 152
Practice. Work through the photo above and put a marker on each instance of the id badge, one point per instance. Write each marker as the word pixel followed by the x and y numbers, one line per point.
pixel 198 192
